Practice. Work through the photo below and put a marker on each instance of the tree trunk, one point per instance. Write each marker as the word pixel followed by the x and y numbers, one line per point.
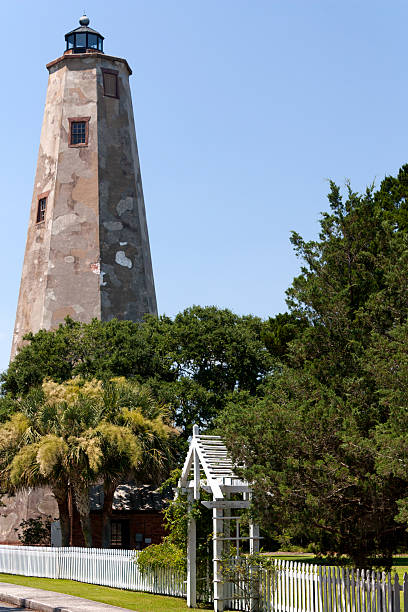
pixel 61 496
pixel 81 495
pixel 108 493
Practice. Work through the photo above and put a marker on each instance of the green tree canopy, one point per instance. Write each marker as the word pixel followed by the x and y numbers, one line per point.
pixel 326 445
pixel 99 350
pixel 192 363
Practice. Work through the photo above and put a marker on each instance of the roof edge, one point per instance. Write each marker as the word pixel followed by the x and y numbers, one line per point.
pixel 72 56
pixel 84 29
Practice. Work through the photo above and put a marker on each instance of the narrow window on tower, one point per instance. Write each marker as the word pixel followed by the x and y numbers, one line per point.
pixel 110 83
pixel 78 131
pixel 41 208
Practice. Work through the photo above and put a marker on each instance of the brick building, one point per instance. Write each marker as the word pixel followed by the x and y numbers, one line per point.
pixel 136 520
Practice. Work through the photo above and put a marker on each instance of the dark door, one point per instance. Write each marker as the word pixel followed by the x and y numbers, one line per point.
pixel 120 534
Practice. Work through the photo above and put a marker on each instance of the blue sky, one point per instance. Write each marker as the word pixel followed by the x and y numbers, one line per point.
pixel 243 109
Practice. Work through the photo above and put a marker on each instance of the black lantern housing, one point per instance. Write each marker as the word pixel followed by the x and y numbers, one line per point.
pixel 84 39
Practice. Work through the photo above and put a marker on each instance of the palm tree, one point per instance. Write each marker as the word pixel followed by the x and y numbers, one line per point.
pixel 131 405
pixel 76 441
pixel 79 432
pixel 19 468
pixel 24 472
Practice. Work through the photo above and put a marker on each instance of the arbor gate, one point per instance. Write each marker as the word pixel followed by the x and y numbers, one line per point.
pixel 209 468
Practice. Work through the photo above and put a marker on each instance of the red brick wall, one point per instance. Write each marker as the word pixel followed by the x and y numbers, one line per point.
pixel 148 524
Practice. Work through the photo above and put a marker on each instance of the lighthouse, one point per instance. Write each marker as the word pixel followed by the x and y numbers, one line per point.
pixel 87 252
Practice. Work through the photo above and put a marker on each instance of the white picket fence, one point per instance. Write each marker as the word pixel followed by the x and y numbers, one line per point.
pixel 104 566
pixel 285 587
pixel 288 586
pixel 300 587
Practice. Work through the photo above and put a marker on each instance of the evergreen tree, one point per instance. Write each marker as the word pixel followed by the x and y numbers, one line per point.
pixel 326 447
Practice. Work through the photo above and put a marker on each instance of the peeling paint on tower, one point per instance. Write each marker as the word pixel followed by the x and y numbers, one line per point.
pixel 90 255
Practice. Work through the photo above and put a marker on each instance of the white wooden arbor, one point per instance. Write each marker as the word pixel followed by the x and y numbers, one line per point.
pixel 208 467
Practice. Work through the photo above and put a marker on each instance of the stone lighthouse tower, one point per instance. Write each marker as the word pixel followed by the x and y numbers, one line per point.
pixel 87 252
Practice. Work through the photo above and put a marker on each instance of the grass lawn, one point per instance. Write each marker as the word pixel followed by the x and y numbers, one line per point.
pixel 142 602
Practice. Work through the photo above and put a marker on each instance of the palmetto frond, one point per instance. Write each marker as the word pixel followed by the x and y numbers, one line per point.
pixel 51 453
pixel 24 470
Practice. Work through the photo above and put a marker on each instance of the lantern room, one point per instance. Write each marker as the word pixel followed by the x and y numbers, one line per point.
pixel 84 39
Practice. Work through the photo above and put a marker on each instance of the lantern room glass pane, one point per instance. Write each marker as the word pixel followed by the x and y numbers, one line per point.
pixel 81 40
pixel 92 41
pixel 71 41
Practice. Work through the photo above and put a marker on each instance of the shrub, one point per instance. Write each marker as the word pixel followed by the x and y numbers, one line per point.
pixel 164 555
pixel 35 531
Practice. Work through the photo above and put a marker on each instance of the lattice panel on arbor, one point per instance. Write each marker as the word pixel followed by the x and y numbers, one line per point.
pixel 209 467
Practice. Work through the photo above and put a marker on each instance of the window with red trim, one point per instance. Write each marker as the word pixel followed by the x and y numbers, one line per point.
pixel 78 131
pixel 41 208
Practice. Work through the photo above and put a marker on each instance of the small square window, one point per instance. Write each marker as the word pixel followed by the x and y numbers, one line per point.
pixel 78 131
pixel 110 83
pixel 41 208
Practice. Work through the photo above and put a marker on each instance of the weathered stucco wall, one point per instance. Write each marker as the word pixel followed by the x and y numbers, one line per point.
pixel 33 503
pixel 72 286
pixel 30 309
pixel 91 255
pixel 127 286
